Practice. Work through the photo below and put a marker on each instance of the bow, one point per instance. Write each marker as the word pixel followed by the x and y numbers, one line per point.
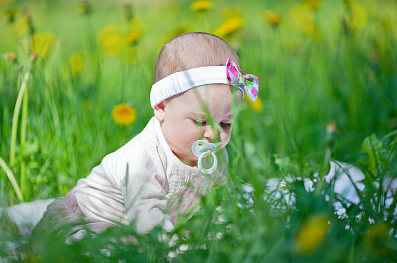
pixel 248 82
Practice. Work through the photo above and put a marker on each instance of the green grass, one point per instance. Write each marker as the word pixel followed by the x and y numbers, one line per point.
pixel 345 74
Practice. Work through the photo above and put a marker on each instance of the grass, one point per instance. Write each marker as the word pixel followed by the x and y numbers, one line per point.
pixel 332 62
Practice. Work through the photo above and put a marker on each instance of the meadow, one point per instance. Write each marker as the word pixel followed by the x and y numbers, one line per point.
pixel 75 78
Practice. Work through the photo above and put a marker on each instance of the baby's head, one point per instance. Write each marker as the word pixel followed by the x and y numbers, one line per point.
pixel 192 96
pixel 193 50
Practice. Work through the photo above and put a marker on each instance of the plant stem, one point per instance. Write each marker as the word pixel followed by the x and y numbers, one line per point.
pixel 15 117
pixel 12 179
pixel 23 138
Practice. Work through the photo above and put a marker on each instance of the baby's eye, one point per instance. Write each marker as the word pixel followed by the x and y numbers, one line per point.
pixel 225 124
pixel 199 122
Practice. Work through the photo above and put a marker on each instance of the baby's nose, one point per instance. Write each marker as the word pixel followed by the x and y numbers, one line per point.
pixel 211 134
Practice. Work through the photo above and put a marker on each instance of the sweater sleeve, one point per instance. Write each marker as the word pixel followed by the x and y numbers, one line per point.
pixel 143 188
pixel 127 187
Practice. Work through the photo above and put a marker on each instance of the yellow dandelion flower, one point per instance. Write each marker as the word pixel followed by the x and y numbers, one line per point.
pixel 76 64
pixel 42 44
pixel 272 17
pixel 311 234
pixel 201 5
pixel 257 105
pixel 21 26
pixel 133 37
pixel 229 26
pixel 358 15
pixel 123 114
pixel 111 40
pixel 303 17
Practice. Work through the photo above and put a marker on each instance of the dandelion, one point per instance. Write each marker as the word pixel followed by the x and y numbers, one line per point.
pixel 311 234
pixel 331 127
pixel 136 30
pixel 272 17
pixel 257 105
pixel 303 17
pixel 357 16
pixel 229 26
pixel 10 56
pixel 42 44
pixel 110 40
pixel 331 132
pixel 21 27
pixel 133 37
pixel 10 15
pixel 123 114
pixel 76 64
pixel 201 5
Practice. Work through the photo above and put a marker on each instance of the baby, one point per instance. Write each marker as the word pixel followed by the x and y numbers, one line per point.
pixel 165 169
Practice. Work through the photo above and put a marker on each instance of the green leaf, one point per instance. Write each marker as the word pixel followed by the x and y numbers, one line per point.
pixel 373 147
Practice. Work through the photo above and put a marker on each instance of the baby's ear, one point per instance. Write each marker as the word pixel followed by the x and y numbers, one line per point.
pixel 159 111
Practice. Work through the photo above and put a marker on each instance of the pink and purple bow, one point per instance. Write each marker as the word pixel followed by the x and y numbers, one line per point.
pixel 248 82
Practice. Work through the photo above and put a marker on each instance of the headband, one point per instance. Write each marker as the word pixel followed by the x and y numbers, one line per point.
pixel 182 81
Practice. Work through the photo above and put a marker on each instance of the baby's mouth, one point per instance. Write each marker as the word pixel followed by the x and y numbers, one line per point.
pixel 202 149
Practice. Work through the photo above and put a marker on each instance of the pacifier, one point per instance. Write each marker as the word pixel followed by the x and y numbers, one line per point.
pixel 202 149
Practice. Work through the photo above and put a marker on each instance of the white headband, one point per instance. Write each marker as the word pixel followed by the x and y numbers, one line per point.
pixel 182 81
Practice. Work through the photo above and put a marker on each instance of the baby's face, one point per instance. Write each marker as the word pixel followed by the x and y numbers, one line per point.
pixel 186 118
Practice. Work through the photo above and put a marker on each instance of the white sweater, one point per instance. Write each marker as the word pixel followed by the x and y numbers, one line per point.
pixel 143 182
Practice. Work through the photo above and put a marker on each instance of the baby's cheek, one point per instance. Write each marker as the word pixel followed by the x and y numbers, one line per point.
pixel 185 139
pixel 225 138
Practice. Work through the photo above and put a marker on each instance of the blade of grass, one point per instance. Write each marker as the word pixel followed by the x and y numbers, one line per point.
pixel 15 116
pixel 12 179
pixel 25 101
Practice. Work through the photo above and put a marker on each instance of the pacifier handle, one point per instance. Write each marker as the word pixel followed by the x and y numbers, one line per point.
pixel 213 167
pixel 201 149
